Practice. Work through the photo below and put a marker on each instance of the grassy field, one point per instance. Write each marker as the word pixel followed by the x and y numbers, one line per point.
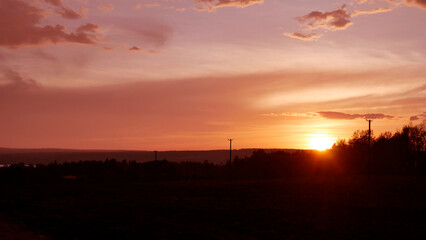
pixel 298 208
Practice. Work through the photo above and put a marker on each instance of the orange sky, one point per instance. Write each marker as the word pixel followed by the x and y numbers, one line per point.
pixel 189 74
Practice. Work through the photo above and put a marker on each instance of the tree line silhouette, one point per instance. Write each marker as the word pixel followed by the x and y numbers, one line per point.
pixel 401 153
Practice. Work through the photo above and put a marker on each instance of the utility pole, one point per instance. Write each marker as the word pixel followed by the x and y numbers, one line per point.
pixel 369 147
pixel 230 157
pixel 369 131
pixel 155 152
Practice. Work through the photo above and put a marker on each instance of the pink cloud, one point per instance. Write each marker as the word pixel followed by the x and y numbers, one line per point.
pixel 88 27
pixel 57 3
pixel 63 11
pixel 67 12
pixel 20 26
pixel 84 12
pixel 338 19
pixel 333 20
pixel 106 7
pixel 82 1
pixel 210 5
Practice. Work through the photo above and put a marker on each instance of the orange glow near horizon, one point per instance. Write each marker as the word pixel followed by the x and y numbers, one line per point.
pixel 321 142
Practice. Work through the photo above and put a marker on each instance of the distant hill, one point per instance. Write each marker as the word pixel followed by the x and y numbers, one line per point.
pixel 46 156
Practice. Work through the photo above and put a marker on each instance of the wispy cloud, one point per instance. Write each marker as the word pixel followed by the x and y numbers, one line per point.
pixel 134 109
pixel 150 32
pixel 340 115
pixel 135 48
pixel 210 5
pixel 106 7
pixel 150 5
pixel 361 1
pixel 153 52
pixel 371 11
pixel 291 114
pixel 11 80
pixel 303 36
pixel 63 11
pixel 331 115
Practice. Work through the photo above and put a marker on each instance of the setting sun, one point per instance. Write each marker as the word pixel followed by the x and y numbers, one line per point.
pixel 321 142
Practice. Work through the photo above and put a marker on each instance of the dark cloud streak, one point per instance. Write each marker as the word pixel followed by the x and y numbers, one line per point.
pixel 135 48
pixel 418 117
pixel 11 80
pixel 340 115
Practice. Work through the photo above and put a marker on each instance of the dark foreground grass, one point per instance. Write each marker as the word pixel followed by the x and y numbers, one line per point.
pixel 305 208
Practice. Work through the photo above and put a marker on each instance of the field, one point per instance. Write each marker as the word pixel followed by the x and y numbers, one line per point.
pixel 297 208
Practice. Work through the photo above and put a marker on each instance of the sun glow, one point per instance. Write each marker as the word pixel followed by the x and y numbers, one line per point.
pixel 320 142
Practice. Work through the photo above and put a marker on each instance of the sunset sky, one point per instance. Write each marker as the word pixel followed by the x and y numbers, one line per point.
pixel 189 74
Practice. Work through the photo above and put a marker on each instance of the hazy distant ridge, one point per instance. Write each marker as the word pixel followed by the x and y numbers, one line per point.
pixel 47 155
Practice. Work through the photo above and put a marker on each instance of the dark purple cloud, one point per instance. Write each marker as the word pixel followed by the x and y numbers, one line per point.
pixel 418 117
pixel 20 26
